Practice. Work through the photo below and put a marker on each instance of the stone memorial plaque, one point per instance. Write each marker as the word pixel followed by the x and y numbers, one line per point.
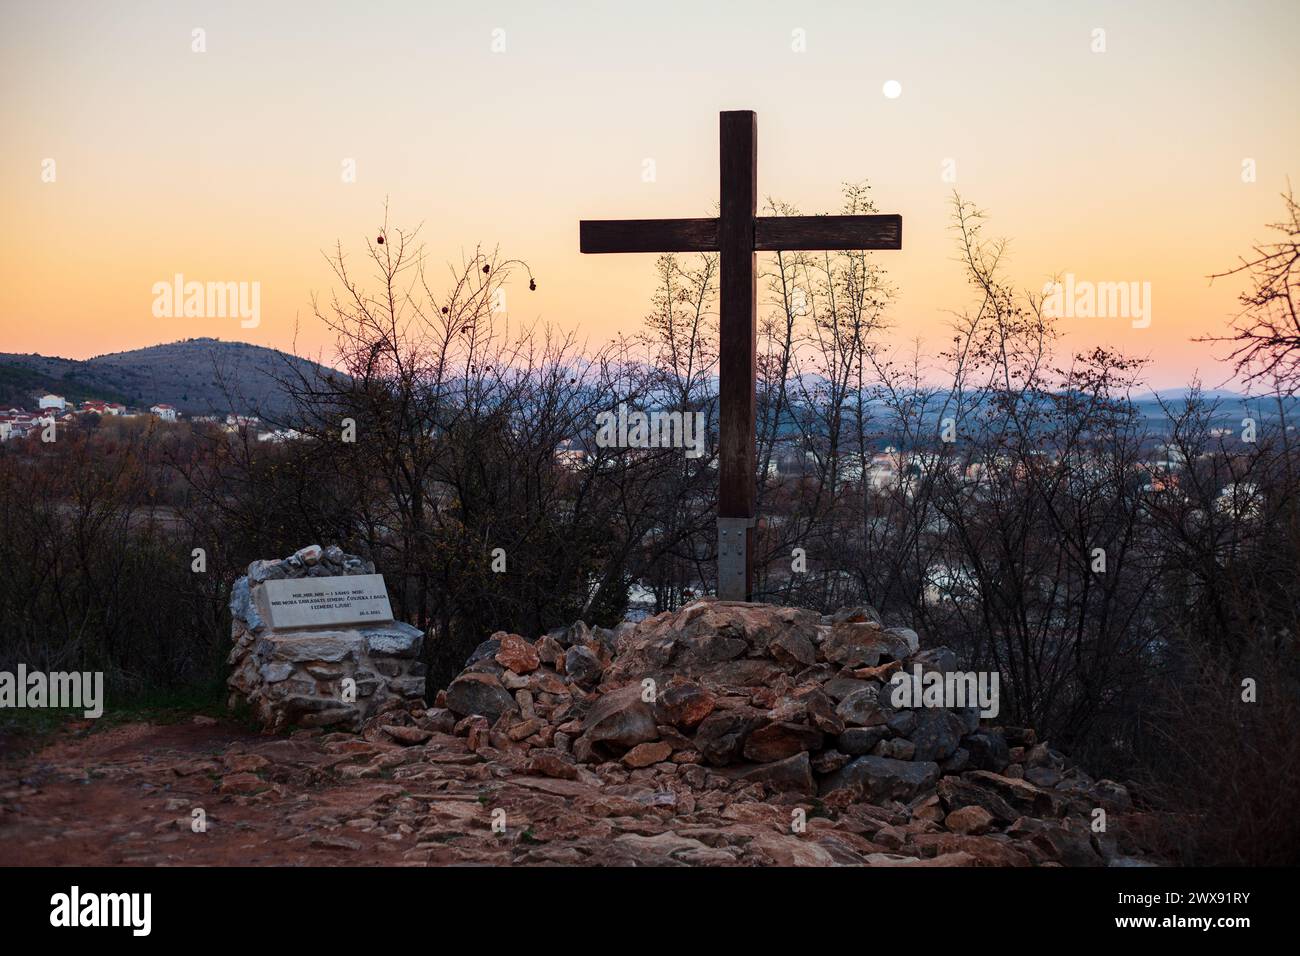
pixel 325 602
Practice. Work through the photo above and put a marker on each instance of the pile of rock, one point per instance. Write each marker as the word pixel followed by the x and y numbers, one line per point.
pixel 314 676
pixel 734 701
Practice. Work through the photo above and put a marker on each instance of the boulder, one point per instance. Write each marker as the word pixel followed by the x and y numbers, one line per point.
pixel 550 763
pixel 791 647
pixel 476 693
pixel 863 645
pixel 941 659
pixel 1020 794
pixel 878 779
pixel 516 654
pixel 395 640
pixel 643 755
pixel 620 719
pixel 721 736
pixel 684 704
pixel 988 751
pixel 485 651
pixel 861 709
pixel 972 820
pixel 822 714
pixel 860 740
pixel 779 740
pixel 900 748
pixel 856 614
pixel 958 792
pixel 581 665
pixel 1054 841
pixel 936 735
pixel 791 775
pixel 838 688
pixel 1044 777
pixel 549 650
pixel 407 735
pixel 980 850
pixel 957 762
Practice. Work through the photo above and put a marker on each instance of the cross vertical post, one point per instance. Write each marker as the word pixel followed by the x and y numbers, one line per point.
pixel 737 353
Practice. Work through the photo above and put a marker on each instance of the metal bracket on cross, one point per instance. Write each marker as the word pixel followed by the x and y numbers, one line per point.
pixel 733 558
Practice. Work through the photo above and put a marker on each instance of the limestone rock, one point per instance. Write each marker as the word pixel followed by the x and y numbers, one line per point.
pixel 958 792
pixel 475 693
pixel 620 719
pixel 861 709
pixel 988 751
pixel 879 778
pixel 863 645
pixel 581 665
pixel 645 754
pixel 861 740
pixel 407 735
pixel 395 640
pixel 777 741
pixel 721 736
pixel 972 820
pixel 791 647
pixel 792 775
pixel 936 735
pixel 516 654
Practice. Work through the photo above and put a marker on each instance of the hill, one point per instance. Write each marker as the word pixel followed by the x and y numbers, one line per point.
pixel 197 376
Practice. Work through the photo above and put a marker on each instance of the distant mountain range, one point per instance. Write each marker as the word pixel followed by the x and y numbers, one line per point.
pixel 197 376
pixel 208 376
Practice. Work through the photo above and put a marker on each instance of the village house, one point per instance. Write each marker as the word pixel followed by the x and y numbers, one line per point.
pixel 97 407
pixel 883 472
pixel 235 422
pixel 165 412
pixel 53 401
pixel 16 423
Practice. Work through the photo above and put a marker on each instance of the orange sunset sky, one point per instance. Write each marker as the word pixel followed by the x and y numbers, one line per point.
pixel 226 165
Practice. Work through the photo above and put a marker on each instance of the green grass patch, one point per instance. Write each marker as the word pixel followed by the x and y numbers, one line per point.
pixel 24 730
pixel 166 706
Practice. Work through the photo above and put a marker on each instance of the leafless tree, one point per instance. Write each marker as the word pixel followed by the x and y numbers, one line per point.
pixel 1265 336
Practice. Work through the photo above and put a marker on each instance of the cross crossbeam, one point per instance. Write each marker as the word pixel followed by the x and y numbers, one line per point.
pixel 771 234
pixel 737 234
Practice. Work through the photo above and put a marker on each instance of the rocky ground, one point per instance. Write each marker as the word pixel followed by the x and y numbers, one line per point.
pixel 765 741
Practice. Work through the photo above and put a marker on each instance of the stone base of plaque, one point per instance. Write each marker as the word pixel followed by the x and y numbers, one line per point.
pixel 331 674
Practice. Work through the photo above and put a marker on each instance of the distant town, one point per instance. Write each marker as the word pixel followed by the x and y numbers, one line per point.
pixel 56 412
pixel 882 471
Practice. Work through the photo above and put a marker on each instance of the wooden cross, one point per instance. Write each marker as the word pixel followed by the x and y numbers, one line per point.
pixel 737 234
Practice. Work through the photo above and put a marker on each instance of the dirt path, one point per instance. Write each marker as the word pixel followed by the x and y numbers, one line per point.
pixel 129 795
